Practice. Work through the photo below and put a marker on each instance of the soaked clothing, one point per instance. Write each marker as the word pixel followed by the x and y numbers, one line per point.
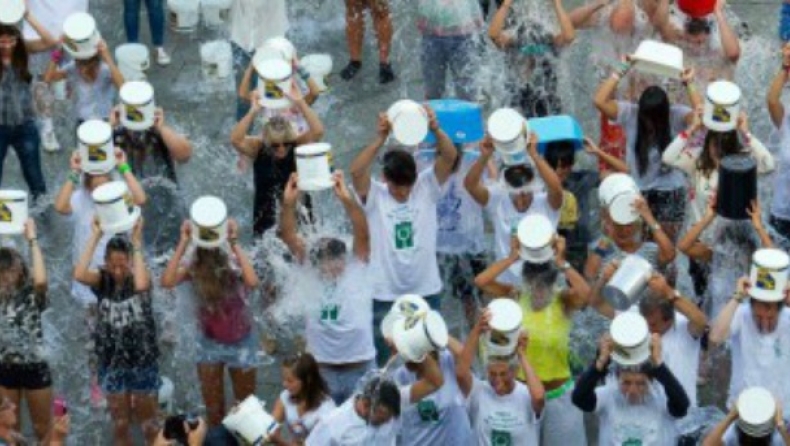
pixel 532 62
pixel 299 426
pixel 270 175
pixel 733 243
pixel 16 98
pixel 147 153
pixel 125 334
pixel 344 427
pixel 91 99
pixel 502 419
pixel 549 352
pixel 21 338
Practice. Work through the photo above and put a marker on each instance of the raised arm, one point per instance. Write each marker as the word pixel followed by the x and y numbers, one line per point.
pixel 248 275
pixel 583 395
pixel 720 330
pixel 486 280
pixel 774 99
pixel 549 175
pixel 431 380
pixel 288 221
pixel 177 144
pixel 576 297
pixel 359 223
pixel 473 182
pixel 716 436
pixel 496 28
pixel 604 97
pixel 463 366
pixel 697 319
pixel 39 269
pixel 106 57
pixel 662 23
pixel 567 33
pixel 244 85
pixel 46 41
pixel 677 399
pixel 62 202
pixel 135 188
pixel 315 127
pixel 362 164
pixel 239 139
pixel 690 244
pixel 54 73
pixel 597 301
pixel 82 272
pixel 729 39
pixel 666 250
pixel 679 153
pixel 762 156
pixel 687 78
pixel 614 162
pixel 446 154
pixel 174 273
pixel 586 16
pixel 537 392
pixel 142 279
pixel 756 216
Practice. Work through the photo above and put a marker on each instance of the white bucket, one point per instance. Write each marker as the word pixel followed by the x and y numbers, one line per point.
pixel 276 78
pixel 314 165
pixel 722 106
pixel 319 66
pixel 215 12
pixel 209 219
pixel 768 275
pixel 535 234
pixel 115 208
pixel 133 59
pixel 621 208
pixel 613 185
pixel 13 212
pixel 405 306
pixel 12 12
pixel 659 58
pixel 505 323
pixel 138 108
pixel 165 395
pixel 756 412
pixel 216 59
pixel 183 15
pixel 97 153
pixel 281 46
pixel 80 36
pixel 631 339
pixel 409 122
pixel 416 336
pixel 628 282
pixel 250 422
pixel 509 131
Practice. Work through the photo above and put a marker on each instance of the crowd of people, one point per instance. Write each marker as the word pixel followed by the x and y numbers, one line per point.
pixel 435 222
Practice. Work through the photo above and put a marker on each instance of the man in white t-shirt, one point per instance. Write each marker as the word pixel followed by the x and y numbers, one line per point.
pixel 728 433
pixel 759 336
pixel 339 333
pixel 401 213
pixel 516 197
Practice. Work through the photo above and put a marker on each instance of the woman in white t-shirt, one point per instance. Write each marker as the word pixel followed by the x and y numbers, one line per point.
pixel 502 409
pixel 304 401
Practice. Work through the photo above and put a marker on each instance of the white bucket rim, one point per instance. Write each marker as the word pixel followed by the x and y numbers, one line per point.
pixel 208 211
pixel 756 410
pixel 621 208
pixel 320 63
pixel 136 93
pixel 416 336
pixel 614 184
pixel 13 12
pixel 535 234
pixel 659 57
pixel 94 131
pixel 506 315
pixel 506 125
pixel 631 337
pixel 724 93
pixel 409 121
pixel 313 149
pixel 274 70
pixel 406 305
pixel 13 195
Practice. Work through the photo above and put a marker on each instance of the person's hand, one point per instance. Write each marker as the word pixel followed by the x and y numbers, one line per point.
pixel 137 232
pixel 687 76
pixel 75 162
pixel 560 246
pixel 291 193
pixel 786 54
pixel 383 127
pixel 742 289
pixel 115 116
pixel 515 249
pixel 196 436
pixel 30 229
pixel 655 349
pixel 658 283
pixel 233 229
pixel 605 348
pixel 743 122
pixel 755 214
pixel 294 93
pixel 433 121
pixel 532 145
pixel 487 147
pixel 255 102
pixel 186 231
pixel 159 118
pixel 96 229
pixel 710 211
pixel 61 428
pixel 523 343
pixel 102 49
pixel 641 208
pixel 120 156
pixel 609 270
pixel 484 321
pixel 778 415
pixel 341 189
pixel 590 147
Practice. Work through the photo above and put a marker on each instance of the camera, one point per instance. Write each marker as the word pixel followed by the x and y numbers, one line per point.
pixel 174 427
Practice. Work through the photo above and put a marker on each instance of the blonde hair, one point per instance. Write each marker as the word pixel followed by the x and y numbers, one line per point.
pixel 278 130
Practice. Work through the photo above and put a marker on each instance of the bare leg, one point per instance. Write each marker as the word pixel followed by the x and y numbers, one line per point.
pixel 120 411
pixel 15 396
pixel 145 410
pixel 213 390
pixel 39 403
pixel 355 28
pixel 243 381
pixel 382 22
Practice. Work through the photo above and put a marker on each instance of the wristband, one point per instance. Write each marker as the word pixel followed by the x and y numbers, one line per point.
pixel 56 56
pixel 124 168
pixel 738 296
pixel 74 177
pixel 564 266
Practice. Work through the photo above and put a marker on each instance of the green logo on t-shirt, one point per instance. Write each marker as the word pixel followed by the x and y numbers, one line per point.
pixel 428 412
pixel 404 235
pixel 632 442
pixel 329 312
pixel 501 438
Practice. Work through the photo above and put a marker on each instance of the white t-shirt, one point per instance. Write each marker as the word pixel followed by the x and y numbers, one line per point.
pixel 300 426
pixel 92 100
pixel 780 205
pixel 403 239
pixel 339 329
pixel 344 427
pixel 505 218
pixel 247 17
pixel 502 420
pixel 460 218
pixel 621 423
pixel 439 418
pixel 731 438
pixel 760 359
pixel 82 212
pixel 680 351
pixel 658 176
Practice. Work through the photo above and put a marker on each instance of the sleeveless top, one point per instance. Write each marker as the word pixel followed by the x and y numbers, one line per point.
pixel 549 330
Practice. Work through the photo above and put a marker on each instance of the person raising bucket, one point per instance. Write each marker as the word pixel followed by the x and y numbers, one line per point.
pixel 222 287
pixel 780 206
pixel 550 293
pixel 736 429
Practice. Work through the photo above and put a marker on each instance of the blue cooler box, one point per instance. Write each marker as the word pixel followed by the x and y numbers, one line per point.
pixel 461 120
pixel 556 128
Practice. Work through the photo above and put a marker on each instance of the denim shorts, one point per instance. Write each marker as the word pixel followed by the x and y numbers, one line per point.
pixel 114 380
pixel 240 355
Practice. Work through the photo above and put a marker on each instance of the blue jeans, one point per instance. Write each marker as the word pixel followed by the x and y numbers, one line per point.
pixel 440 53
pixel 241 61
pixel 380 310
pixel 156 20
pixel 26 141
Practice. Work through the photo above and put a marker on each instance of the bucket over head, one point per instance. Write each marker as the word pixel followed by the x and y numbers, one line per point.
pixel 509 131
pixel 80 36
pixel 319 66
pixel 535 234
pixel 13 211
pixel 658 58
pixel 505 323
pixel 407 305
pixel 416 336
pixel 138 108
pixel 722 106
pixel 628 282
pixel 314 165
pixel 12 12
pixel 621 208
pixel 462 121
pixel 209 217
pixel 613 185
pixel 768 275
pixel 115 208
pixel 409 122
pixel 275 80
pixel 556 128
pixel 697 8
pixel 282 46
pixel 756 412
pixel 250 422
pixel 631 339
pixel 97 153
pixel 737 186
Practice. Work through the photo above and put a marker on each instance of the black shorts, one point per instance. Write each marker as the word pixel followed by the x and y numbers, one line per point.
pixel 27 376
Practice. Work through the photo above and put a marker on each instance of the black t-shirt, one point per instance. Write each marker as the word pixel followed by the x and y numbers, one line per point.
pixel 126 332
pixel 21 339
pixel 270 175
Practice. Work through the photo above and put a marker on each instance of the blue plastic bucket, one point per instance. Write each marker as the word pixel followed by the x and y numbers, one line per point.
pixel 461 120
pixel 556 128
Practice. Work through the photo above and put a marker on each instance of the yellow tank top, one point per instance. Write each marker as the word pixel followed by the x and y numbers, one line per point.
pixel 569 212
pixel 549 338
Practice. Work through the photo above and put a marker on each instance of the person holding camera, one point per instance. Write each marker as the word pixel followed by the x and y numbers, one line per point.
pixel 183 432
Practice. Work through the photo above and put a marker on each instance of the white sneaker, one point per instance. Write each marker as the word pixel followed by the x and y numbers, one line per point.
pixel 49 140
pixel 162 58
